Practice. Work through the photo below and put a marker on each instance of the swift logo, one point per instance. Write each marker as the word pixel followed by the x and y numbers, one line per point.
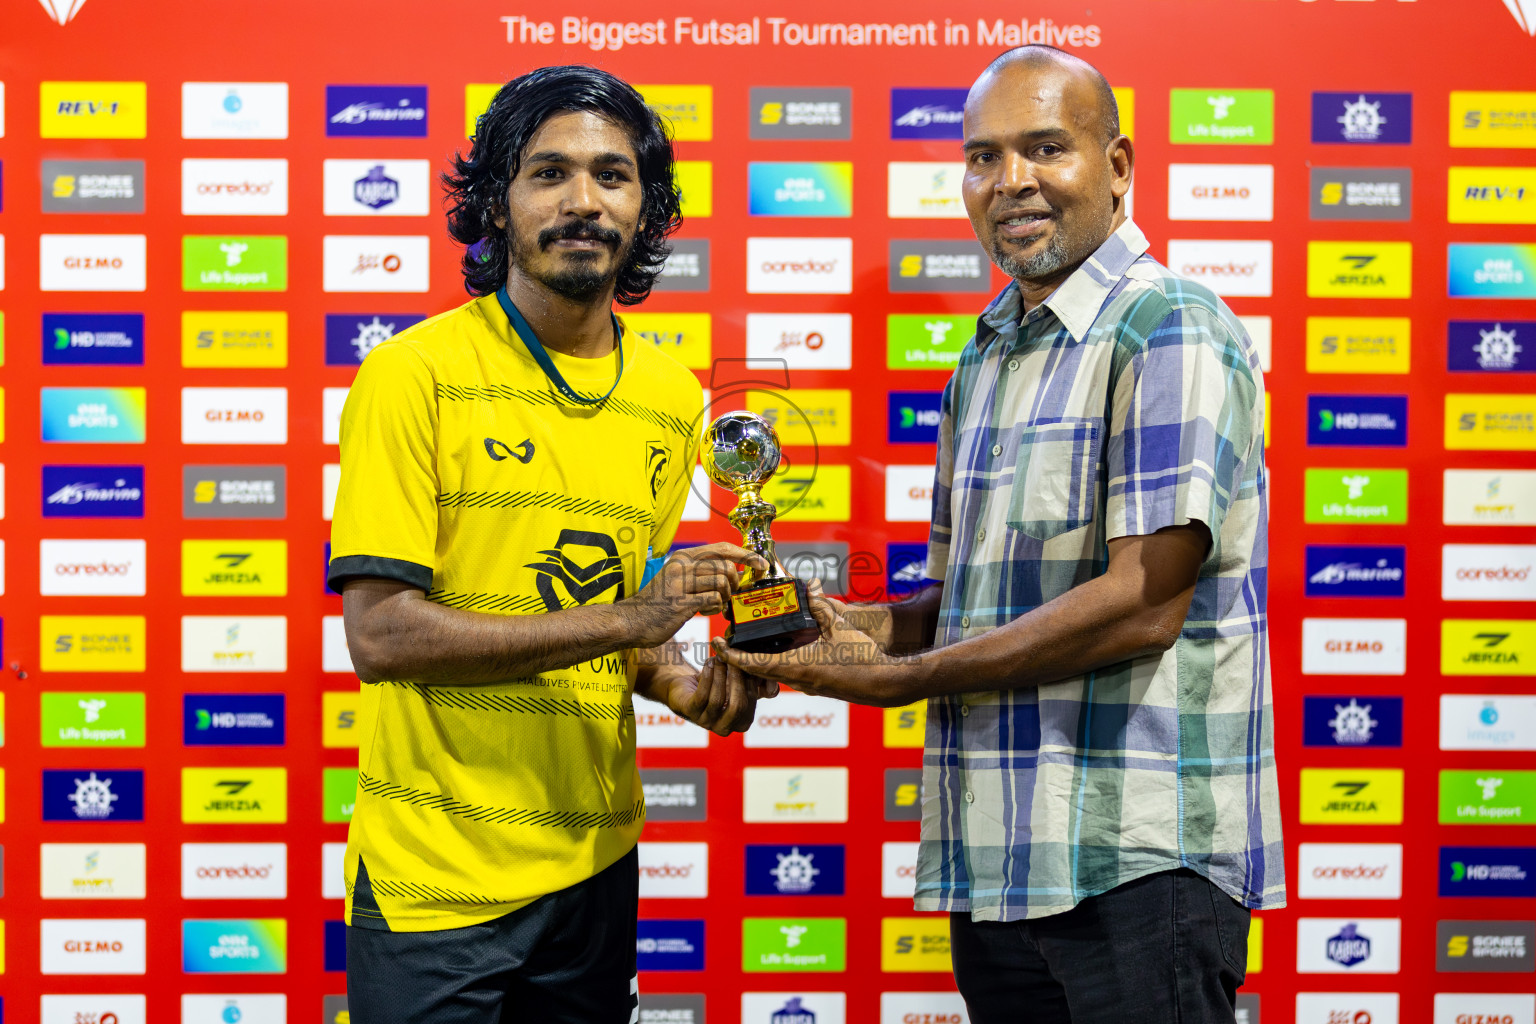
pixel 522 453
pixel 582 582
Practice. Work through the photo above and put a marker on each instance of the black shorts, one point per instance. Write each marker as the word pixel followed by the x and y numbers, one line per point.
pixel 566 957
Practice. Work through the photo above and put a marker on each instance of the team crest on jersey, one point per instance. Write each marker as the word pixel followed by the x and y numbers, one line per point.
pixel 560 569
pixel 658 456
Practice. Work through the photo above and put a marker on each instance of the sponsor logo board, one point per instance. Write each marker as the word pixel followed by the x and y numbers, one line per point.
pixel 1487 572
pixel 674 870
pixel 801 721
pixel 1366 647
pixel 910 944
pixel 375 263
pixel 93 492
pixel 1503 422
pixel 243 188
pixel 924 1008
pixel 898 870
pixel 94 415
pixel 1361 193
pixel 1222 116
pixel 1487 797
pixel 1492 271
pixel 1221 192
pixel 1487 647
pixel 794 1008
pixel 1491 195
pixel 92 719
pixel 1493 120
pixel 1336 570
pixel 339 713
pixel 671 1008
pixel 779 113
pixel 675 794
pixel 1346 1008
pixel 234 795
pixel 1352 721
pixel 349 337
pixel 912 417
pixel 1470 1008
pixel 234 492
pixel 926 342
pixel 921 265
pixel 92 946
pixel 234 415
pixel 1366 270
pixel 1357 420
pixel 221 1009
pixel 245 643
pixel 1371 118
pixel 802 869
pixel 1485 946
pixel 804 341
pixel 234 946
pixel 686 337
pixel 658 727
pixel 377 188
pixel 376 111
pixel 113 568
pixel 92 871
pixel 689 109
pixel 784 795
pixel 227 339
pixel 800 266
pixel 780 189
pixel 903 789
pixel 927 113
pixel 95 795
pixel 1356 496
pixel 1488 871
pixel 223 263
pixel 1487 722
pixel 1491 346
pixel 785 944
pixel 83 1009
pixel 92 110
pixel 1334 945
pixel 1487 497
pixel 686 269
pixel 909 493
pixel 75 339
pixel 92 263
pixel 1345 871
pixel 93 186
pixel 234 871
pixel 904 727
pixel 924 190
pixel 91 643
pixel 228 568
pixel 234 110
pixel 1360 796
pixel 1225 267
pixel 233 720
pixel 669 945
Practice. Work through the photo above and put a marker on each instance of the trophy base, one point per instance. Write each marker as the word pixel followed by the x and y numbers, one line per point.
pixel 771 616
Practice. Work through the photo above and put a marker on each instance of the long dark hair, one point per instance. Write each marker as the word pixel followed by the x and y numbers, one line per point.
pixel 477 186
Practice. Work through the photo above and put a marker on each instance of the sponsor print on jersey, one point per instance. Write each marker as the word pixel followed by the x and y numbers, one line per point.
pixel 1364 871
pixel 1491 195
pixel 797 266
pixel 1487 722
pixel 234 946
pixel 795 870
pixel 1489 497
pixel 1484 871
pixel 1362 193
pixel 1366 647
pixel 783 795
pixel 669 945
pixel 1487 797
pixel 1493 120
pixel 92 871
pixel 1357 420
pixel 1222 116
pixel 225 339
pixel 92 110
pixel 93 186
pixel 92 719
pixel 1221 192
pixel 1360 796
pixel 1492 271
pixel 92 263
pixel 1485 946
pixel 687 268
pixel 377 188
pixel 234 871
pixel 1382 270
pixel 1333 570
pixel 246 188
pixel 914 944
pixel 1333 945
pixel 1497 422
pixel 782 113
pixel 375 263
pixel 674 870
pixel 785 944
pixel 924 190
pixel 1363 117
pixel 105 339
pixel 91 643
pixel 1469 1008
pixel 1356 496
pixel 233 720
pixel 376 111
pixel 92 946
pixel 93 492
pixel 1225 267
pixel 913 417
pixel 234 110
pixel 1491 346
pixel 689 109
pixel 921 265
pixel 234 795
pixel 93 795
pixel 1352 721
pixel 349 337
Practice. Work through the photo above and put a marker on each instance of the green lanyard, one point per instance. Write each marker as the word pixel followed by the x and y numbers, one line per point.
pixel 521 328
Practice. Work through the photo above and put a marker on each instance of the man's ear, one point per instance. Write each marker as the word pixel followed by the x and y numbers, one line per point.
pixel 499 217
pixel 1122 160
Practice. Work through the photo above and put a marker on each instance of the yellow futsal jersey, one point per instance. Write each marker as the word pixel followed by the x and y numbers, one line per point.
pixel 465 473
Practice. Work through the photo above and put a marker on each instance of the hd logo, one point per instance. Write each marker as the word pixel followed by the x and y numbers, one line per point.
pixel 229 795
pixel 223 568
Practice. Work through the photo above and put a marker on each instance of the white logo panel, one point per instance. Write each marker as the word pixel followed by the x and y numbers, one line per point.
pixel 1261 331
pixel 333 871
pixel 334 655
pixel 91 263
pixel 804 341
pixel 1344 871
pixel 1343 945
pixel 378 188
pixel 234 110
pixel 1488 572
pixel 1346 1008
pixel 794 794
pixel 1470 1008
pixel 928 190
pixel 1226 268
pixel 222 1009
pixel 234 415
pixel 923 1008
pixel 92 871
pixel 75 1009
pixel 1235 192
pixel 375 263
pixel 898 870
pixel 109 568
pixel 234 871
pixel 769 1007
pixel 245 643
pixel 794 719
pixel 240 188
pixel 92 946
pixel 332 402
pixel 1490 497
pixel 799 266
pixel 656 727
pixel 674 870
pixel 1362 647
pixel 1487 722
pixel 908 493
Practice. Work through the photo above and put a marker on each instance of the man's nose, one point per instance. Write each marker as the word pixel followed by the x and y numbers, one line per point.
pixel 1018 175
pixel 580 197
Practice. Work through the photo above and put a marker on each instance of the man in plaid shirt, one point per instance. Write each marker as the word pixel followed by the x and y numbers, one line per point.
pixel 1100 805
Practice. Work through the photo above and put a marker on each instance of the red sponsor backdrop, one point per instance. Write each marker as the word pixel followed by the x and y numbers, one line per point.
pixel 1293 47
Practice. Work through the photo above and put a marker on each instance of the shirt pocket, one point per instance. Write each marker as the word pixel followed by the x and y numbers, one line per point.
pixel 1055 478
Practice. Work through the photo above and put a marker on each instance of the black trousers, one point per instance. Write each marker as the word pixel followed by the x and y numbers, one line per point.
pixel 1169 948
pixel 566 958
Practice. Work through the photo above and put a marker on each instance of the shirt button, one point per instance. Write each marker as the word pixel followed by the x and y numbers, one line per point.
pixel 970 797
pixel 1013 364
pixel 981 534
pixel 997 449
pixel 965 622
pixel 965 711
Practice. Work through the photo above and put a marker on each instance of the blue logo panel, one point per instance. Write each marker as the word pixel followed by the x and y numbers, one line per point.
pixel 1491 346
pixel 86 794
pixel 335 945
pixel 1492 271
pixel 1356 721
pixel 376 111
pixel 1339 570
pixel 1357 420
pixel 1363 117
pixel 913 417
pixel 905 567
pixel 1488 871
pixel 93 492
pixel 232 720
pixel 349 337
pixel 93 339
pixel 927 113
pixel 669 945
pixel 801 869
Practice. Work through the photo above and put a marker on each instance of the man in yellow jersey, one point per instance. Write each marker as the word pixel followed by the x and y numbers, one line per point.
pixel 509 469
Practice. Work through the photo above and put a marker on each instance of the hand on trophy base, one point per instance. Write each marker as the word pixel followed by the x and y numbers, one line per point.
pixel 770 616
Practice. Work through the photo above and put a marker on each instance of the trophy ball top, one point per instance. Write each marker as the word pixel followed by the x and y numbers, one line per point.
pixel 740 448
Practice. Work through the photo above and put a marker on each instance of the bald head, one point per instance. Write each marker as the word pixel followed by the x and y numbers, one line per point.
pixel 1038 58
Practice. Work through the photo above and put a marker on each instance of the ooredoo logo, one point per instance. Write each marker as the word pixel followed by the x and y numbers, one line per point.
pixel 212 871
pixel 800 266
pixel 1226 267
pixel 234 187
pixel 91 567
pixel 674 870
pixel 800 720
pixel 1369 871
pixel 1487 572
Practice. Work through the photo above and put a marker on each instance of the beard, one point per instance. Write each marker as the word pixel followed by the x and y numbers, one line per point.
pixel 1045 263
pixel 577 276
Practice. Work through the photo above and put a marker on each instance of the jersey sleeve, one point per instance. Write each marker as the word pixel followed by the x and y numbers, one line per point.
pixel 385 524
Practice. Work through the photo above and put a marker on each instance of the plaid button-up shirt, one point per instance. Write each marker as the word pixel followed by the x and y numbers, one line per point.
pixel 1129 401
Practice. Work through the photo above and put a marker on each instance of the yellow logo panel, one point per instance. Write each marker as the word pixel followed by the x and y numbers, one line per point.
pixel 914 944
pixel 1351 796
pixel 1490 423
pixel 477 97
pixel 240 340
pixel 1491 195
pixel 683 336
pixel 1493 120
pixel 690 109
pixel 1366 270
pixel 696 181
pixel 1487 647
pixel 804 495
pixel 234 568
pixel 1125 99
pixel 2 795
pixel 1358 344
pixel 339 714
pixel 91 643
pixel 904 726
pixel 1255 945
pixel 234 795
pixel 807 416
pixel 92 110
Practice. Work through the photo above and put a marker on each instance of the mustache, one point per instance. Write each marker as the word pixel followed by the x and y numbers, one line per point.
pixel 579 229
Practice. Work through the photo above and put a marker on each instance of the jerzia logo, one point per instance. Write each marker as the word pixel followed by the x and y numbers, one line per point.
pixel 498 451
pixel 581 582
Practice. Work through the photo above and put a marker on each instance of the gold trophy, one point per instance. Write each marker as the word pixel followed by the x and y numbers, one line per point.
pixel 769 611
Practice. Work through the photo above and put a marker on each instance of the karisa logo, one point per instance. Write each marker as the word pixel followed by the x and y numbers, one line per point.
pixel 62 11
